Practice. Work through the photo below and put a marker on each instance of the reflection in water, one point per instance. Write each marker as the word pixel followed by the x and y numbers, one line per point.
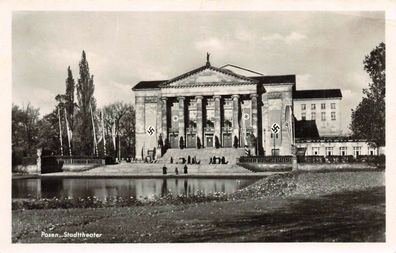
pixel 125 187
pixel 164 187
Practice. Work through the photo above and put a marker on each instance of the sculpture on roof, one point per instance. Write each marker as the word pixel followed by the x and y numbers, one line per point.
pixel 207 59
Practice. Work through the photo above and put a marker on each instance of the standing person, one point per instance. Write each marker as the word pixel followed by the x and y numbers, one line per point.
pixel 164 169
pixel 185 169
pixel 176 171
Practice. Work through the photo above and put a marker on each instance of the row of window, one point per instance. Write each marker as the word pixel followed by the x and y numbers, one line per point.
pixel 329 151
pixel 313 106
pixel 322 116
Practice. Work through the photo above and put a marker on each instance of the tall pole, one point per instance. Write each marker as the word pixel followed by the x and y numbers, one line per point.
pixel 95 150
pixel 273 150
pixel 60 132
pixel 104 136
pixel 119 142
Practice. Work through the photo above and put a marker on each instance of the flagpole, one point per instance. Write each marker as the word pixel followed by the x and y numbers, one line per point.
pixel 68 132
pixel 60 132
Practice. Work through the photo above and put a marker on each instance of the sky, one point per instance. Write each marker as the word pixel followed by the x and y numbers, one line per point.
pixel 325 50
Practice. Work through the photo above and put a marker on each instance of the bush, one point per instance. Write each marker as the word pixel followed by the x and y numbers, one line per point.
pixel 110 160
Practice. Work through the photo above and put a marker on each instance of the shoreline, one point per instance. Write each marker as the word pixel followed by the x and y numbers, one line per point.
pixel 320 207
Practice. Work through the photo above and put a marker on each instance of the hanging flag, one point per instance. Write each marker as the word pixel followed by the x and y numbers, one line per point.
pixel 60 132
pixel 69 133
pixel 289 122
pixel 99 134
pixel 113 134
pixel 246 147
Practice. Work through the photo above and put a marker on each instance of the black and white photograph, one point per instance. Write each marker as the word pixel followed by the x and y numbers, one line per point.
pixel 198 126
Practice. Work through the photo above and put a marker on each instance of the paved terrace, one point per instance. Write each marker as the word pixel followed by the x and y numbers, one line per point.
pixel 155 170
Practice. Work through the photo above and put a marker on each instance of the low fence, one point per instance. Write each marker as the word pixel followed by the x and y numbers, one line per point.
pixel 342 159
pixel 78 159
pixel 265 159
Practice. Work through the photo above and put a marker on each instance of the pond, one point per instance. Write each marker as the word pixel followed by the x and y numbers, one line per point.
pixel 122 187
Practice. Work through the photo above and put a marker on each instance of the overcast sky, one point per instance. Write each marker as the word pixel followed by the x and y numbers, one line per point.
pixel 323 49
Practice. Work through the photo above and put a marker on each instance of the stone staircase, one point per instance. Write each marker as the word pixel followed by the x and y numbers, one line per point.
pixel 203 155
pixel 156 169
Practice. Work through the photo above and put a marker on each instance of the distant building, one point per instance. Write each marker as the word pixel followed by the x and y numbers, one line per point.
pixel 210 105
pixel 322 106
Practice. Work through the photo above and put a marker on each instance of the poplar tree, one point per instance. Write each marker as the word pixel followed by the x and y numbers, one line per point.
pixel 69 104
pixel 85 91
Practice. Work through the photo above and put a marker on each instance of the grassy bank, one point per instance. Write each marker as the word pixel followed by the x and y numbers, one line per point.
pixel 291 207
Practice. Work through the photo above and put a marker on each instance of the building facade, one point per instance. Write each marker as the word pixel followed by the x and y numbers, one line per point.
pixel 322 106
pixel 215 107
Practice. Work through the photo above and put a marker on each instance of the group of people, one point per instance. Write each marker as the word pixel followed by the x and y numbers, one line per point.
pixel 217 160
pixel 189 160
pixel 165 170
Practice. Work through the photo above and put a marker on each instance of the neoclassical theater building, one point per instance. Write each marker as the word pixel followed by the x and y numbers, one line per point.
pixel 216 107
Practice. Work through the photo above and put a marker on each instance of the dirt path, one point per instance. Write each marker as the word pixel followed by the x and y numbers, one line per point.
pixel 343 216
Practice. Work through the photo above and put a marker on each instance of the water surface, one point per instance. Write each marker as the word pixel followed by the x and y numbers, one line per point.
pixel 122 187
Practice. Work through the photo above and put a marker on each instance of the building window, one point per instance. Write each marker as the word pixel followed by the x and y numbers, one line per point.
pixel 303 107
pixel 333 116
pixel 343 151
pixel 329 151
pixel 357 151
pixel 333 105
pixel 315 150
pixel 303 116
pixel 313 106
pixel 323 106
pixel 313 115
pixel 323 116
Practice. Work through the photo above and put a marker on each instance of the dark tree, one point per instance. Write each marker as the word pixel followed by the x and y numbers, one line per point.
pixel 86 100
pixel 25 131
pixel 199 145
pixel 49 132
pixel 368 119
pixel 69 98
pixel 181 142
pixel 235 142
pixel 217 142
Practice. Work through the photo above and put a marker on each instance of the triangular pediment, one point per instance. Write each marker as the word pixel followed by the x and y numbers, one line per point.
pixel 208 76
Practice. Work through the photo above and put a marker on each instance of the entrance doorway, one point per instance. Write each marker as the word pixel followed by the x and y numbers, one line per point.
pixel 174 140
pixel 227 140
pixel 209 141
pixel 190 141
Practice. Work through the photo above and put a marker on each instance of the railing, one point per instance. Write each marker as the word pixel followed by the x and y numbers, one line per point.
pixel 265 159
pixel 342 159
pixel 77 159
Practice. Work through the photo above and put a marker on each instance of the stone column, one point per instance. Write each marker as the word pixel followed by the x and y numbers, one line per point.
pixel 159 119
pixel 235 118
pixel 254 119
pixel 140 117
pixel 254 114
pixel 199 119
pixel 140 127
pixel 181 120
pixel 164 124
pixel 217 126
